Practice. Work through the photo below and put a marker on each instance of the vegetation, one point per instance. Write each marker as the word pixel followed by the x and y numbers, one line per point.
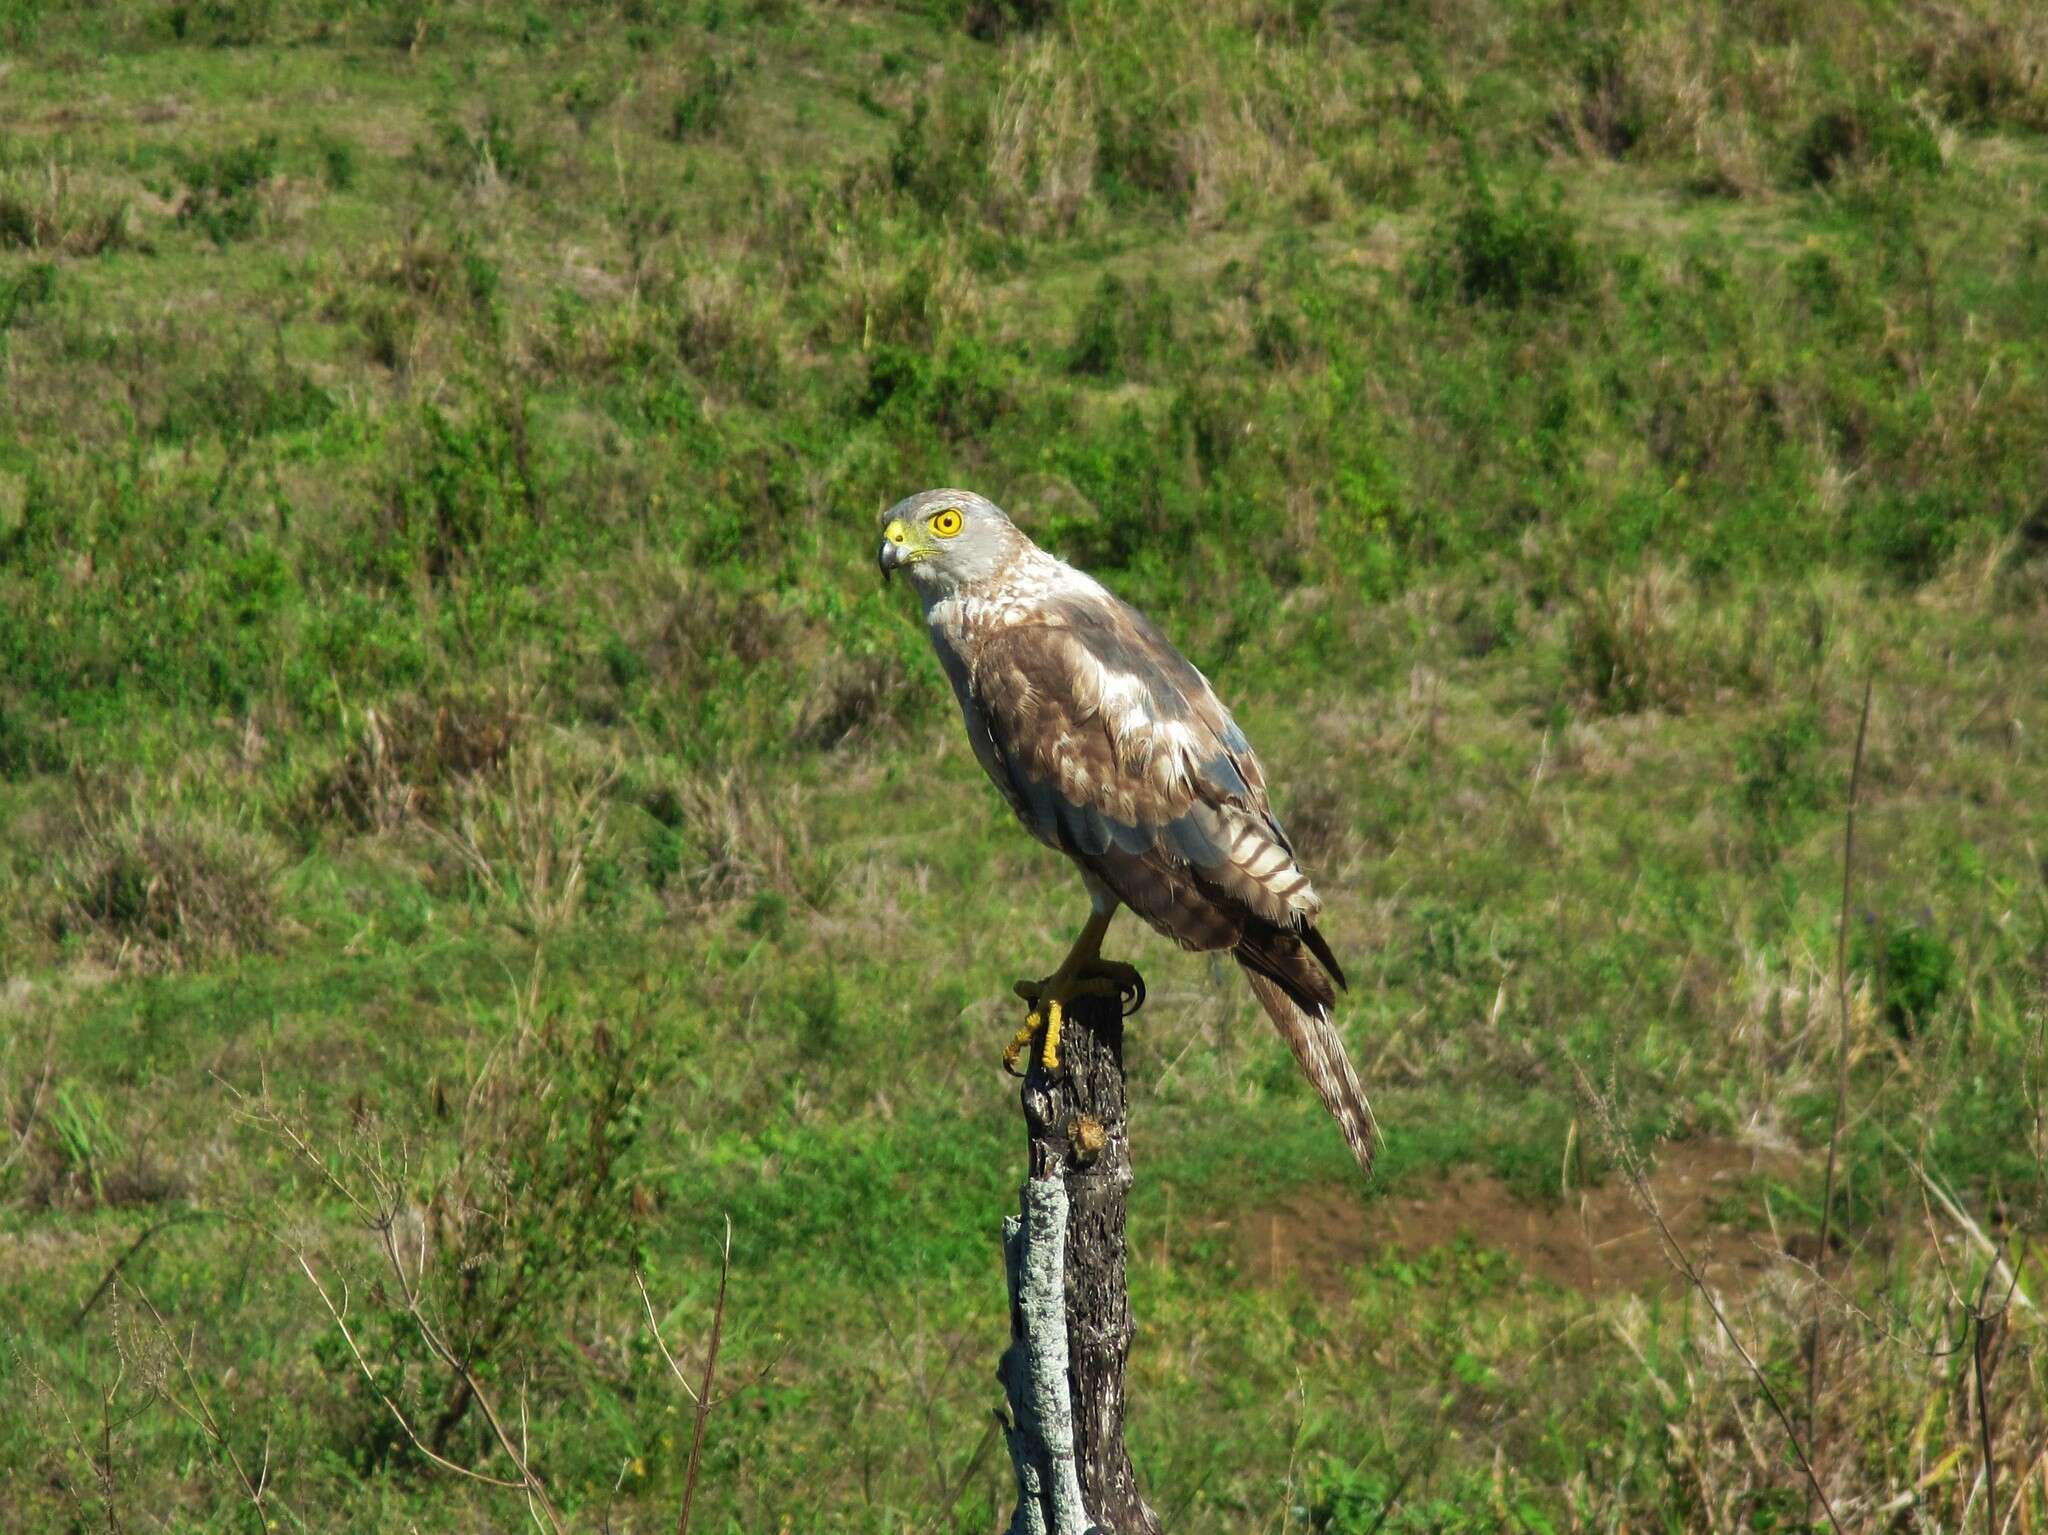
pixel 474 821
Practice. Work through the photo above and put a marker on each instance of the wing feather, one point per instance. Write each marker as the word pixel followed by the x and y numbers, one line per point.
pixel 1118 752
pixel 1114 749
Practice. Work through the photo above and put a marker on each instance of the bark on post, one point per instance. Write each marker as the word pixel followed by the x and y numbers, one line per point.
pixel 1070 1242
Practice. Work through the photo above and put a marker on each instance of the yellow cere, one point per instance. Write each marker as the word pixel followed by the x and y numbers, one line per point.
pixel 896 533
pixel 947 523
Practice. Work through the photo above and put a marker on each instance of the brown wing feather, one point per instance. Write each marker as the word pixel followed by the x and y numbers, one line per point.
pixel 1163 800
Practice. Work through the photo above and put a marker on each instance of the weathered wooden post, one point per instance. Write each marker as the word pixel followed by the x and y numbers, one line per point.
pixel 1070 1315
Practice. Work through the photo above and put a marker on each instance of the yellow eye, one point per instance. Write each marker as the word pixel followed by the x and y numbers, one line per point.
pixel 947 523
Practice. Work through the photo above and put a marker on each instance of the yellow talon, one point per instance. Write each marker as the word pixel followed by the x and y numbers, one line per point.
pixel 1017 1046
pixel 1051 1054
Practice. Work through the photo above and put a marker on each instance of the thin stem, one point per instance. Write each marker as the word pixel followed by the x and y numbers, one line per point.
pixel 201 1415
pixel 1639 1184
pixel 1827 1202
pixel 704 1390
pixel 1984 1406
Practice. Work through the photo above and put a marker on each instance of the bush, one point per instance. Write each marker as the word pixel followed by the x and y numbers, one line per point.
pixel 223 23
pixel 1624 646
pixel 1871 130
pixel 1914 967
pixel 700 111
pixel 534 1199
pixel 1120 330
pixel 1526 252
pixel 25 292
pixel 337 161
pixel 239 401
pixel 994 20
pixel 44 209
pixel 223 191
pixel 410 758
pixel 168 891
pixel 940 158
pixel 1984 75
pixel 495 149
pixel 1779 775
pixel 1909 535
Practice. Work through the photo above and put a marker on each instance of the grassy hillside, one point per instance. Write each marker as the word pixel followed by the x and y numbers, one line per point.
pixel 456 758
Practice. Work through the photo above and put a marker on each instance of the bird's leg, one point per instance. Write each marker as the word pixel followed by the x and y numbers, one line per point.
pixel 1082 973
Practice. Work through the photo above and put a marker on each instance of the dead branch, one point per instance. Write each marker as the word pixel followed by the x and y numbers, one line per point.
pixel 1631 1164
pixel 1827 1201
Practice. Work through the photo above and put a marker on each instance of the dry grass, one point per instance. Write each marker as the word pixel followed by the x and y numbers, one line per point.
pixel 1042 141
pixel 49 208
pixel 160 891
pixel 1628 646
pixel 741 839
pixel 527 840
pixel 413 757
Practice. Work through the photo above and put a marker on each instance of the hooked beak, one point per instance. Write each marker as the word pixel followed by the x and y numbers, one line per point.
pixel 895 553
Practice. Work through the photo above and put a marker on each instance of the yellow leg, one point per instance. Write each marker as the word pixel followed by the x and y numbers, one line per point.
pixel 1051 1054
pixel 1048 998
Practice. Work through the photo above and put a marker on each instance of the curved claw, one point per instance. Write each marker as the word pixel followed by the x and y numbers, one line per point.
pixel 1014 1051
pixel 1048 1001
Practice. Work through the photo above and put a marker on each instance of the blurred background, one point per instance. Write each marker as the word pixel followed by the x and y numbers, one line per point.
pixel 466 799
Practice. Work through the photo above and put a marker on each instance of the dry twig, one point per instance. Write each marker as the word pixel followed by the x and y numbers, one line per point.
pixel 1827 1202
pixel 1631 1164
pixel 381 1214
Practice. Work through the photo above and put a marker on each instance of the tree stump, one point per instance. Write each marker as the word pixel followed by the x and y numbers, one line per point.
pixel 1064 1369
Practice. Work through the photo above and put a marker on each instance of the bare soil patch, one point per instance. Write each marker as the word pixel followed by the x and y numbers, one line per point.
pixel 1598 1241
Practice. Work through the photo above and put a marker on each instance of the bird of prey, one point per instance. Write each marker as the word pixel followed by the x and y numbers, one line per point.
pixel 1114 750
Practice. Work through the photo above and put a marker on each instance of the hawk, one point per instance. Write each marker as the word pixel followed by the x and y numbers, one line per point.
pixel 1114 750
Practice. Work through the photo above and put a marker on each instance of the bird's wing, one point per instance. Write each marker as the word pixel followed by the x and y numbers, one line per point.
pixel 1115 750
pixel 1118 752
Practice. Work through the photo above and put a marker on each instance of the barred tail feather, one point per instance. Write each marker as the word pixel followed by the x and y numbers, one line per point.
pixel 1320 1051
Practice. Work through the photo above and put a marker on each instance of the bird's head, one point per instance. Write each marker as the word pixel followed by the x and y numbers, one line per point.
pixel 944 540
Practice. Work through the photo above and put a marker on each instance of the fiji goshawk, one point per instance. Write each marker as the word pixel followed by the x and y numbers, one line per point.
pixel 1113 749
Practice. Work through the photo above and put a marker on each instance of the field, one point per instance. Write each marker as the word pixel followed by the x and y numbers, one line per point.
pixel 466 798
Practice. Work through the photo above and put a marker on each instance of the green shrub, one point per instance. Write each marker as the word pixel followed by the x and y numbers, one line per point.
pixel 240 401
pixel 699 111
pixel 337 161
pixel 165 891
pixel 20 294
pixel 1120 330
pixel 223 191
pixel 959 393
pixel 940 157
pixel 471 495
pixel 1780 777
pixel 1983 74
pixel 534 1197
pixel 1914 967
pixel 994 20
pixel 1625 646
pixel 1871 129
pixel 495 148
pixel 223 23
pixel 1525 252
pixel 1347 1501
pixel 1909 535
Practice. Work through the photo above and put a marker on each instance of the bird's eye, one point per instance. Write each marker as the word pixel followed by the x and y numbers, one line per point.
pixel 947 523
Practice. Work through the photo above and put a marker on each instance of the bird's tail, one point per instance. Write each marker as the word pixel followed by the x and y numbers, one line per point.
pixel 1305 1024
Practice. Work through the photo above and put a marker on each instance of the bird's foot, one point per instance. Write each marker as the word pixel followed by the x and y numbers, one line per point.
pixel 1048 1000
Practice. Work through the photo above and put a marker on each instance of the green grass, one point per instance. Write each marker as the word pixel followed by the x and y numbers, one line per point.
pixel 447 707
